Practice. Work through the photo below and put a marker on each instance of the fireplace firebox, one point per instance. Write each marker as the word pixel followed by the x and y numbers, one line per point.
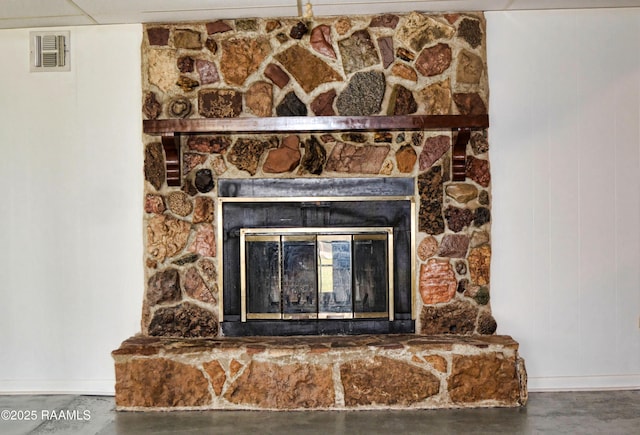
pixel 321 256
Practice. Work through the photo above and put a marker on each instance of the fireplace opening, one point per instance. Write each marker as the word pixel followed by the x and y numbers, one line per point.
pixel 316 273
pixel 331 256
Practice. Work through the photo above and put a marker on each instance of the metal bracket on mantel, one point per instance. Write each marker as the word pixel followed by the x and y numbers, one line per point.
pixel 171 145
pixel 459 153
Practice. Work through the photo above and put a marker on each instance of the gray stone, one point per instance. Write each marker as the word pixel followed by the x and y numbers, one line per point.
pixel 291 105
pixel 363 95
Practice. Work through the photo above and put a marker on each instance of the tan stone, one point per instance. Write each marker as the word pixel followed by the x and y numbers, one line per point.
pixel 154 383
pixel 161 67
pixel 203 210
pixel 427 248
pixel 437 98
pixel 470 67
pixel 437 362
pixel 308 70
pixel 204 242
pixel 234 367
pixel 259 99
pixel 462 192
pixel 187 38
pixel 385 381
pixel 437 282
pixel 418 30
pixel 483 377
pixel 292 386
pixel 241 57
pixel 217 375
pixel 406 158
pixel 342 26
pixel 479 238
pixel 218 165
pixel 404 71
pixel 153 204
pixel 179 203
pixel 479 264
pixel 166 236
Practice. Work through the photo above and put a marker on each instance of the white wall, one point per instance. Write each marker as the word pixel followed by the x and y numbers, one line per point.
pixel 71 181
pixel 565 138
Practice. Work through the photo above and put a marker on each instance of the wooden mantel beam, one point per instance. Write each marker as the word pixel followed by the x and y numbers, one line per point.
pixel 171 129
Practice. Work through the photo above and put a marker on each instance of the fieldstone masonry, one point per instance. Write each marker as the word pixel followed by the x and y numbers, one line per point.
pixel 356 65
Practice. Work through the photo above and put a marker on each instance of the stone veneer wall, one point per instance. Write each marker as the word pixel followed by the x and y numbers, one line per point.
pixel 357 65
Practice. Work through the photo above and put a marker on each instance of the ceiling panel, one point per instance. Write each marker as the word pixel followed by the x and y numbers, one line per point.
pixel 43 13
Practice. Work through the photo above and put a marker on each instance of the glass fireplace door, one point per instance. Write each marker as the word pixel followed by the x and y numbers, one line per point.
pixel 311 273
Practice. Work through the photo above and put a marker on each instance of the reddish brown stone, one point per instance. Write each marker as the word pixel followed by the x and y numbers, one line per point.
pixel 185 320
pixel 246 152
pixel 185 64
pixel 151 106
pixel 404 71
pixel 385 44
pixel 207 71
pixel 486 323
pixel 321 40
pixel 153 382
pixel 434 60
pixel 437 282
pixel 274 73
pixel 259 98
pixel 401 101
pixel 291 386
pixel 478 171
pixel 308 70
pixel 285 158
pixel 179 203
pixel 272 25
pixel 241 57
pixel 470 104
pixel 187 39
pixel 195 287
pixel 484 377
pixel 218 27
pixel 204 242
pixel 163 287
pixel 479 264
pixel 457 317
pixel 357 159
pixel 298 30
pixel 389 21
pixel 154 170
pixel 191 160
pixel 203 210
pixel 322 105
pixel 434 148
pixel 406 159
pixel 158 36
pixel 430 218
pixel 454 246
pixel 427 248
pixel 452 18
pixel 220 103
pixel 385 381
pixel 437 362
pixel 153 204
pixel 234 367
pixel 166 236
pixel 458 218
pixel 208 144
pixel 217 375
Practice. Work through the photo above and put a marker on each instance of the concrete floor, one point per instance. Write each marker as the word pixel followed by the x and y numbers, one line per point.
pixel 610 412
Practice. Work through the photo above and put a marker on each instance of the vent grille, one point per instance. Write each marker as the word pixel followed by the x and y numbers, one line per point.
pixel 50 51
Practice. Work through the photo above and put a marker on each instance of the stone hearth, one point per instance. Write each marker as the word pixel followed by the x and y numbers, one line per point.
pixel 340 372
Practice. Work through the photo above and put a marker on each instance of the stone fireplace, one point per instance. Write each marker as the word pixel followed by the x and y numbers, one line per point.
pixel 317 214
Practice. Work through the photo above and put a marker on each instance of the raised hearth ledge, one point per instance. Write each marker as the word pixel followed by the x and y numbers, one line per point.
pixel 362 372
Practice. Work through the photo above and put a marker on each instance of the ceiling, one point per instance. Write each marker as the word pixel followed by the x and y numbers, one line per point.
pixel 48 13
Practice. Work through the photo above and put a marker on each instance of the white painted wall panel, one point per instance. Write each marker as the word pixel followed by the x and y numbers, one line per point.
pixel 71 274
pixel 565 111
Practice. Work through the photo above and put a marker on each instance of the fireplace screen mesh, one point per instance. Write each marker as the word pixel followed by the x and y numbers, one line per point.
pixel 309 273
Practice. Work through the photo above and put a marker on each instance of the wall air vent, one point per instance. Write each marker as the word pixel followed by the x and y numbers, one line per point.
pixel 49 51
